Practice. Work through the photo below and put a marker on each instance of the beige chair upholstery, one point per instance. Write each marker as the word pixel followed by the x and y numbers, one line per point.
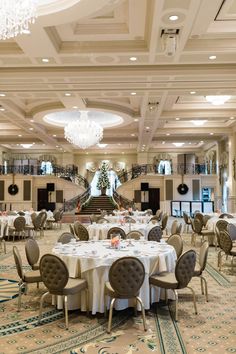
pixel 180 279
pixel 226 244
pixel 72 231
pixel 197 226
pixel 155 234
pixel 81 232
pixel 18 228
pixel 176 241
pixel 164 222
pixel 174 227
pixel 136 235
pixel 231 228
pixel 200 216
pixel 154 219
pixel 55 277
pixel 25 277
pixel 187 221
pixel 32 253
pixel 115 231
pixel 221 225
pixel 126 277
pixel 102 221
pixel 57 218
pixel 129 219
pixel 226 216
pixel 200 267
pixel 65 237
pixel 3 242
pixel 205 219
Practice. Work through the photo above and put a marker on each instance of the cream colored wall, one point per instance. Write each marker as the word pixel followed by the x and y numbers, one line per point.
pixel 70 190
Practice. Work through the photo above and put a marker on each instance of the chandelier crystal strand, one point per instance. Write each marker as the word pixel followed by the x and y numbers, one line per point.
pixel 15 17
pixel 83 132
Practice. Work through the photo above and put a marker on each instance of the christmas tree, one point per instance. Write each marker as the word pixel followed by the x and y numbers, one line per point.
pixel 103 180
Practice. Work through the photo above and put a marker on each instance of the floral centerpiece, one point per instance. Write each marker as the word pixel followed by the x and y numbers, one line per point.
pixel 103 180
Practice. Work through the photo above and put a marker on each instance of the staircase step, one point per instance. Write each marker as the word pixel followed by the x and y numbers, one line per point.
pixel 98 203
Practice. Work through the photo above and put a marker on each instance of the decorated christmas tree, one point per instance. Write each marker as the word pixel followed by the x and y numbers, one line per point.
pixel 103 180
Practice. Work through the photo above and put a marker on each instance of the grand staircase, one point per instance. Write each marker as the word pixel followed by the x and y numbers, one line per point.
pixel 96 204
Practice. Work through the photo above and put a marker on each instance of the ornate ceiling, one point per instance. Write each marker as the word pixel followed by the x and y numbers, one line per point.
pixel 78 56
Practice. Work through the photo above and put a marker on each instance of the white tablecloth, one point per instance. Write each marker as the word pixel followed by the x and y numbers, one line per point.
pixel 9 220
pixel 81 261
pixel 211 223
pixel 99 231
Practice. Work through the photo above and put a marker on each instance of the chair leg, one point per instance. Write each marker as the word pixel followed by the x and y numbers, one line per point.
pixel 176 304
pixel 232 263
pixel 4 246
pixel 41 306
pixel 166 297
pixel 105 304
pixel 143 312
pixel 150 294
pixel 21 286
pixel 135 307
pixel 194 299
pixel 201 281
pixel 206 289
pixel 110 315
pixel 66 311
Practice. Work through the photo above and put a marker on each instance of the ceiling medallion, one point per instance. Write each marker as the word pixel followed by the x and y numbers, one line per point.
pixel 83 132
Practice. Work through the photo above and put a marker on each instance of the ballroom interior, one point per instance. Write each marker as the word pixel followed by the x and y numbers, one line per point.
pixel 146 88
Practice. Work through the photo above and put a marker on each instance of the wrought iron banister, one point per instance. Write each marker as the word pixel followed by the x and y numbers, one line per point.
pixel 122 201
pixel 79 200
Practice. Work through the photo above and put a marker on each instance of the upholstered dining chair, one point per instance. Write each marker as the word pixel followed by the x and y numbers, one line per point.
pixel 66 237
pixel 155 234
pixel 231 228
pixel 164 222
pixel 126 277
pixel 135 234
pixel 102 221
pixel 197 226
pixel 205 219
pixel 55 277
pixel 174 227
pixel 128 218
pixel 221 225
pixel 154 219
pixel 176 241
pixel 187 221
pixel 72 231
pixel 226 244
pixel 201 265
pixel 116 231
pixel 226 216
pixel 32 253
pixel 18 228
pixel 179 279
pixel 25 277
pixel 2 240
pixel 81 232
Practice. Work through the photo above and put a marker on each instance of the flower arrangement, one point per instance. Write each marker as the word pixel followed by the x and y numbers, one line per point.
pixel 115 242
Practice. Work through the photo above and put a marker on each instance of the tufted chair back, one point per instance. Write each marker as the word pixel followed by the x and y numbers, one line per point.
pixel 203 255
pixel 134 235
pixel 178 229
pixel 197 225
pixel 185 268
pixel 186 218
pixel 205 219
pixel 164 221
pixel 32 251
pixel 72 231
pixel 199 216
pixel 129 219
pixel 37 222
pixel 116 231
pixel 221 225
pixel 155 234
pixel 33 216
pixel 54 273
pixel 57 216
pixel 43 218
pixel 21 213
pixel 226 243
pixel 232 231
pixel 66 237
pixel 176 241
pixel 154 219
pixel 158 212
pixel 61 215
pixel 18 262
pixel 19 223
pixel 126 277
pixel 81 232
pixel 226 216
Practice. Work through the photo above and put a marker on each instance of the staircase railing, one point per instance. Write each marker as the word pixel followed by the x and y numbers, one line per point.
pixel 122 201
pixel 79 200
pixel 182 169
pixel 67 173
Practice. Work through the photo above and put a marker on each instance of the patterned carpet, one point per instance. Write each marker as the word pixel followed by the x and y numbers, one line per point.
pixel 213 330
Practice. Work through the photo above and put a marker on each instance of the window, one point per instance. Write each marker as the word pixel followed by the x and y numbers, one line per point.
pixel 46 168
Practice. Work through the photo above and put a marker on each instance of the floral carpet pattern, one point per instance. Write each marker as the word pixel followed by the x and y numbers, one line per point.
pixel 212 330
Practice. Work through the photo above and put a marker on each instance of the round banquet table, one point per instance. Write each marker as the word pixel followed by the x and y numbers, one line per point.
pixel 91 260
pixel 9 220
pixel 99 231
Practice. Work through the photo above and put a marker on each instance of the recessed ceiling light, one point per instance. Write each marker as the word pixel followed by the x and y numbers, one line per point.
pixel 192 92
pixel 20 135
pixel 167 134
pixel 102 146
pixel 178 144
pixel 31 128
pixel 147 127
pixel 198 123
pixel 2 109
pixel 67 94
pixel 132 134
pixel 190 143
pixel 86 153
pixel 212 57
pixel 201 141
pixel 54 135
pixel 31 120
pixel 163 142
pixel 136 119
pixel 26 146
pixel 2 94
pixel 211 133
pixel 173 18
pixel 231 118
pixel 45 60
pixel 133 93
pixel 177 118
pixel 132 58
pixel 57 146
pixel 43 144
pixel 122 152
pixel 75 107
pixel 144 145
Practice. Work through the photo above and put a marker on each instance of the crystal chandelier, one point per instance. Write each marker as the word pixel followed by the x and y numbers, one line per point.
pixel 15 17
pixel 218 99
pixel 83 132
